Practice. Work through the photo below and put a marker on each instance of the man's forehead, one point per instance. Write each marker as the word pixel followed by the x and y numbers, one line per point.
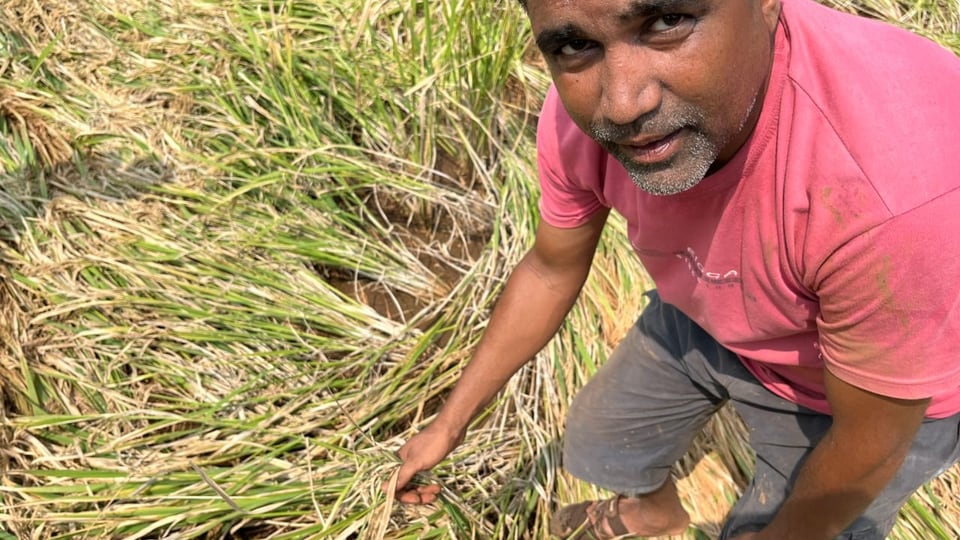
pixel 622 9
pixel 645 8
pixel 555 19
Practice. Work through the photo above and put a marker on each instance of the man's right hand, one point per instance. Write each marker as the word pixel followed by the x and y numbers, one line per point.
pixel 537 296
pixel 421 453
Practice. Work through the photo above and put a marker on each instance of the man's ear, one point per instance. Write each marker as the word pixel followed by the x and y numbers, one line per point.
pixel 770 10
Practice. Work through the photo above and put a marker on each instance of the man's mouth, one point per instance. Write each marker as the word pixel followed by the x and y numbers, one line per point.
pixel 650 150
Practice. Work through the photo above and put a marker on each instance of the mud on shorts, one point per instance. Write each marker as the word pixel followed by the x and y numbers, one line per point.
pixel 640 413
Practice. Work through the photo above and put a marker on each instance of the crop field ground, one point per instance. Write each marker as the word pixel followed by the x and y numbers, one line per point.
pixel 246 248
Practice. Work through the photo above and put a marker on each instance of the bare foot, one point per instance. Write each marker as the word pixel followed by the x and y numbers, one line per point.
pixel 654 514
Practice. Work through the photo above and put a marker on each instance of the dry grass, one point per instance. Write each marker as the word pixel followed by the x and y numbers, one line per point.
pixel 246 248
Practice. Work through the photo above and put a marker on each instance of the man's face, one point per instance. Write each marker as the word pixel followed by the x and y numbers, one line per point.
pixel 671 88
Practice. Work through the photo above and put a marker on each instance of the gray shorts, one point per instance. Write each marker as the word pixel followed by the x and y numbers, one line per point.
pixel 641 411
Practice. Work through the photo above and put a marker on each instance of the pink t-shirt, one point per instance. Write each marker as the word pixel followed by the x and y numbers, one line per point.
pixel 832 238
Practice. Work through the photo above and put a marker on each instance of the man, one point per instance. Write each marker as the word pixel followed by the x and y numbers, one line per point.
pixel 788 174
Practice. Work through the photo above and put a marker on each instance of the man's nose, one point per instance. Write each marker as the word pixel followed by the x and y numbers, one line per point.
pixel 631 88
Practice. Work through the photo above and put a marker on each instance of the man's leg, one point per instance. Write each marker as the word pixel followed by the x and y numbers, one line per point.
pixel 638 415
pixel 783 434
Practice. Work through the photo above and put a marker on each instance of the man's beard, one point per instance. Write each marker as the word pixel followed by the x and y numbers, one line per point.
pixel 679 173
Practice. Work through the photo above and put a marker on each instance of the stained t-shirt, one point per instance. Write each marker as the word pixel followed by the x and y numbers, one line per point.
pixel 832 238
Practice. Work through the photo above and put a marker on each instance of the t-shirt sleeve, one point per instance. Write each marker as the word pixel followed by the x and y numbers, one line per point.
pixel 890 304
pixel 569 165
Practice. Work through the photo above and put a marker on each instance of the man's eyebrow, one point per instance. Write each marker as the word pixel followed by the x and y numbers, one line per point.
pixel 551 38
pixel 648 8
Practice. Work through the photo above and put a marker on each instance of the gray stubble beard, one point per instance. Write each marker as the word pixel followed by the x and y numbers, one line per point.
pixel 689 167
pixel 676 175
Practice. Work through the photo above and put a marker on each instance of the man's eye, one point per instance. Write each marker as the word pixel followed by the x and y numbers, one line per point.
pixel 573 47
pixel 667 22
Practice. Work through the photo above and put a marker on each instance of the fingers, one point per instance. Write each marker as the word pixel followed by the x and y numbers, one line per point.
pixel 419 494
pixel 412 494
pixel 407 471
pixel 420 453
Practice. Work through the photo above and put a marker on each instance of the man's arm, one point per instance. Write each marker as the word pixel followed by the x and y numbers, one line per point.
pixel 860 453
pixel 538 295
